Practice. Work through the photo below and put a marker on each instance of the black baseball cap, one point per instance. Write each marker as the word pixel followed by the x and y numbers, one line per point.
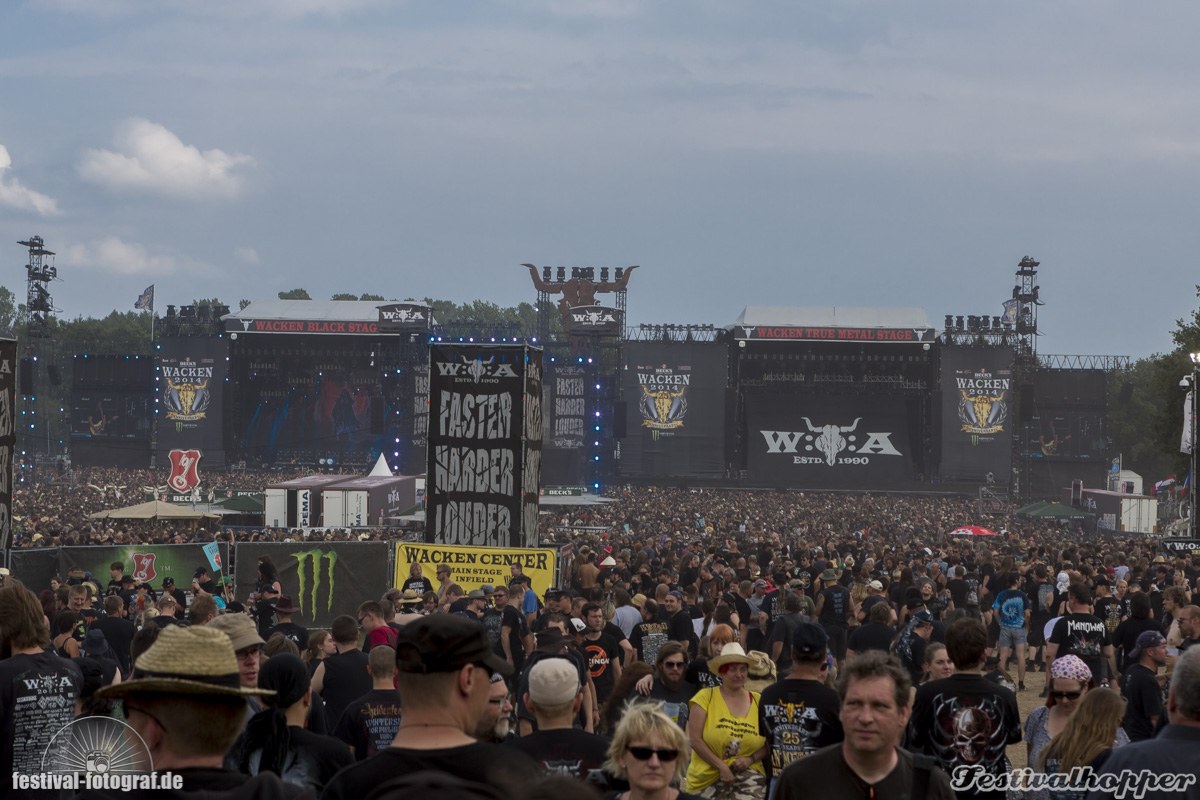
pixel 445 643
pixel 809 638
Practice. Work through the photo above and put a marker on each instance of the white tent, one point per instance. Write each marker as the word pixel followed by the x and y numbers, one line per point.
pixel 381 469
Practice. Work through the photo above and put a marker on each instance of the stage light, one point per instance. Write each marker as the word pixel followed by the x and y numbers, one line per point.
pixel 596 458
pixel 597 386
pixel 597 413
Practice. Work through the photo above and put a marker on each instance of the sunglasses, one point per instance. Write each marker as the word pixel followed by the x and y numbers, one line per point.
pixel 644 753
pixel 1066 695
pixel 674 664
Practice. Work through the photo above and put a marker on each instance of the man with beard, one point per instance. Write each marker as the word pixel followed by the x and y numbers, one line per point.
pixel 966 720
pixel 1139 685
pixel 670 686
pixel 800 713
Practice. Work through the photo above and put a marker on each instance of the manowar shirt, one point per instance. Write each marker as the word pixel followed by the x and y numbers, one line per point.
pixel 1082 635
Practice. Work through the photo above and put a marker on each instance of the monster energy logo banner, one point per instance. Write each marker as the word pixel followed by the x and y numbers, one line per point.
pixel 324 580
pixel 317 558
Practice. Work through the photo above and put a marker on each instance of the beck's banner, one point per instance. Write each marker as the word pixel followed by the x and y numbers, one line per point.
pixel 828 442
pixel 977 413
pixel 323 579
pixel 190 384
pixel 476 567
pixel 8 434
pixel 485 428
pixel 146 563
pixel 675 402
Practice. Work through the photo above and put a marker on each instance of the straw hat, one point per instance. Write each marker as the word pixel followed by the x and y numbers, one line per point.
pixel 196 660
pixel 732 653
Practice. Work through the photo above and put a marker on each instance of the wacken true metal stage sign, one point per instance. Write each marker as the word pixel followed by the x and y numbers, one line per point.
pixel 485 429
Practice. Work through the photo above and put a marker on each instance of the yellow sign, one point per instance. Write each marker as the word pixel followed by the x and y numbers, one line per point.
pixel 476 567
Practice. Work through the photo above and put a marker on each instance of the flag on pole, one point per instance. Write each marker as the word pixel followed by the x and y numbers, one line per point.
pixel 1011 309
pixel 1189 426
pixel 145 299
pixel 1187 484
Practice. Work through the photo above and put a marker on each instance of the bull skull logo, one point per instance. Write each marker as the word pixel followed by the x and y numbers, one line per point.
pixel 830 439
pixel 477 368
pixel 663 409
pixel 982 413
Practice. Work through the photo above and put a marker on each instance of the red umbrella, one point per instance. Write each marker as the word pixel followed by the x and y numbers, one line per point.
pixel 971 530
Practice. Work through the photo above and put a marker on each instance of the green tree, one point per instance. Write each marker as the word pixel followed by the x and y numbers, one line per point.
pixel 295 294
pixel 242 304
pixel 343 296
pixel 369 296
pixel 8 311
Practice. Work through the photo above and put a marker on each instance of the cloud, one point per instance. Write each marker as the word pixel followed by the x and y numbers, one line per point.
pixel 112 254
pixel 151 159
pixel 247 255
pixel 14 195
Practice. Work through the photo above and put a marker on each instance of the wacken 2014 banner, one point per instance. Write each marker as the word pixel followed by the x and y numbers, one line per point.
pixel 8 433
pixel 977 412
pixel 323 579
pixel 832 442
pixel 476 567
pixel 190 384
pixel 675 401
pixel 485 428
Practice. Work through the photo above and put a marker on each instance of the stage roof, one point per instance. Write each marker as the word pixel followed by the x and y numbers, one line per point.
pixel 329 317
pixel 834 323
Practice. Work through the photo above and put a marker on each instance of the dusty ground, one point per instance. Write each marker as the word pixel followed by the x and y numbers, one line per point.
pixel 1027 701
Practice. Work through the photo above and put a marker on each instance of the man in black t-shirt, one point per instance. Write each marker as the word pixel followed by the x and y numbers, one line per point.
pixel 370 723
pixel 297 634
pixel 1083 634
pixel 799 714
pixel 603 653
pixel 679 621
pixel 1139 685
pixel 966 720
pixel 416 580
pixel 833 613
pixel 118 631
pixel 873 690
pixel 444 668
pixel 876 634
pixel 554 697
pixel 168 587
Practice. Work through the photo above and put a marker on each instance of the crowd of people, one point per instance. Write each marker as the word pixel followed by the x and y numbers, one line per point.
pixel 708 643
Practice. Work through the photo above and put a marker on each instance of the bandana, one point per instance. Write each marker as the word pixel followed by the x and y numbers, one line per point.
pixel 1070 668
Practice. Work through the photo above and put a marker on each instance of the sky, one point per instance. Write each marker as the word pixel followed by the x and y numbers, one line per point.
pixel 742 152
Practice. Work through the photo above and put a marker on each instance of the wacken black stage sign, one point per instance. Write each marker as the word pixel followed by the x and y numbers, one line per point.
pixel 309 326
pixel 484 454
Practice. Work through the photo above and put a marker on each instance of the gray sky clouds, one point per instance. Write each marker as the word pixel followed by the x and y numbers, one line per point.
pixel 745 153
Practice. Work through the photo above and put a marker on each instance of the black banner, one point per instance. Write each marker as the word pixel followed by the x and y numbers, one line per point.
pixel 830 442
pixel 594 321
pixel 1068 416
pixel 8 433
pixel 566 405
pixel 675 406
pixel 323 579
pixel 1189 548
pixel 479 448
pixel 398 317
pixel 36 568
pixel 190 385
pixel 978 413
